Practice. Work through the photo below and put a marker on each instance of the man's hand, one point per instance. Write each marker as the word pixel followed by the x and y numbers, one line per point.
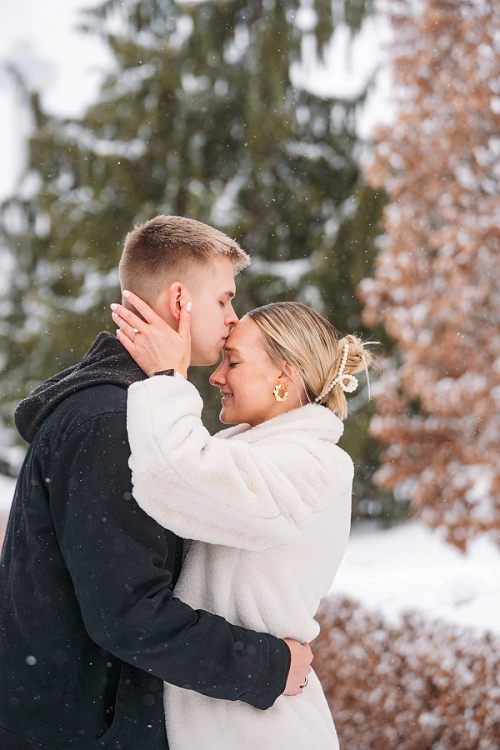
pixel 299 668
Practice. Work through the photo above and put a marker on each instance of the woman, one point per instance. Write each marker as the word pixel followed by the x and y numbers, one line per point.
pixel 267 502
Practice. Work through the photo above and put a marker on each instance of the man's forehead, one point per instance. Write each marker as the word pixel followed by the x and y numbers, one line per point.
pixel 227 289
pixel 224 284
pixel 221 268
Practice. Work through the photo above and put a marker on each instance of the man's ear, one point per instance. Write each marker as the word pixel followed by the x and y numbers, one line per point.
pixel 175 295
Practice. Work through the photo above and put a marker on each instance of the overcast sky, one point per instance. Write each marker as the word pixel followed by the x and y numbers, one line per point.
pixel 40 37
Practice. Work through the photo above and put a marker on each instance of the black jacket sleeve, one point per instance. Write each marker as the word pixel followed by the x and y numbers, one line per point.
pixel 118 559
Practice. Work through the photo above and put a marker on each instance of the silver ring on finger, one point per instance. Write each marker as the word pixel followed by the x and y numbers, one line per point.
pixel 134 331
pixel 304 684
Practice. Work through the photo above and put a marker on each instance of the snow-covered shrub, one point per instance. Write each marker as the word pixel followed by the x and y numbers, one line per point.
pixel 421 686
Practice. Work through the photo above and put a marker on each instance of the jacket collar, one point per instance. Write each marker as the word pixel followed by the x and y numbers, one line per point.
pixel 314 418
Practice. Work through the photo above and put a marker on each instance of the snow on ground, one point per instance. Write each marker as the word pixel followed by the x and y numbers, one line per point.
pixel 7 486
pixel 411 568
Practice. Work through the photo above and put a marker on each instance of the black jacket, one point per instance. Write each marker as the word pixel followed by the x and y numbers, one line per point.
pixel 88 624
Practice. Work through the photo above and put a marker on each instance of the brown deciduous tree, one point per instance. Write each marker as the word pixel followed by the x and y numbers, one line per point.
pixel 437 283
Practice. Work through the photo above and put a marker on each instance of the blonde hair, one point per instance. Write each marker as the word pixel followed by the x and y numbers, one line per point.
pixel 298 335
pixel 166 247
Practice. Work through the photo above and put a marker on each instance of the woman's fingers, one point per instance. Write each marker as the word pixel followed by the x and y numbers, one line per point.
pixel 125 341
pixel 122 312
pixel 125 327
pixel 146 311
pixel 184 329
pixel 154 344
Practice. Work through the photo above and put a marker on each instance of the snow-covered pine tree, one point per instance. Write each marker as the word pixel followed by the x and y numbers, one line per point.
pixel 200 118
pixel 437 283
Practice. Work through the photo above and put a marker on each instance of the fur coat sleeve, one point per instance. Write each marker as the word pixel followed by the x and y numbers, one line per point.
pixel 255 490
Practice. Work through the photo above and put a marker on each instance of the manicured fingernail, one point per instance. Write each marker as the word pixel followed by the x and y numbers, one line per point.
pixel 189 306
pixel 113 306
pixel 125 293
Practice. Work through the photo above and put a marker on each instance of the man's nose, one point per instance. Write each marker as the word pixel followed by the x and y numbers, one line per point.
pixel 231 318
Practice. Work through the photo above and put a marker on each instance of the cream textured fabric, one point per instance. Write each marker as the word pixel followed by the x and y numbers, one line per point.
pixel 269 510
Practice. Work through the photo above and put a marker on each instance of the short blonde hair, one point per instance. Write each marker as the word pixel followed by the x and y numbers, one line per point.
pixel 164 249
pixel 298 335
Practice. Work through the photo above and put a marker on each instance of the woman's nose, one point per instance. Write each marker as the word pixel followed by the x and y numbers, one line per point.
pixel 217 378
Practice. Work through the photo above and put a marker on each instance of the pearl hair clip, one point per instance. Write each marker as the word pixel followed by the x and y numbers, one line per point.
pixel 347 382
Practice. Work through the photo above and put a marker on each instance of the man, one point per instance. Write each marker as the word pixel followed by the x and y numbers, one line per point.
pixel 89 628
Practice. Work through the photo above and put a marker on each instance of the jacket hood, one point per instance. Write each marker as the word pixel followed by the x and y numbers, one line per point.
pixel 106 362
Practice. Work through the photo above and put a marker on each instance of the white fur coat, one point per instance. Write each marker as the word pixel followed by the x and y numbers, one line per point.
pixel 269 510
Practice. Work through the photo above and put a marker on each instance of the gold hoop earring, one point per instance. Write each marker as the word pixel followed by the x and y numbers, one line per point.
pixel 277 389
